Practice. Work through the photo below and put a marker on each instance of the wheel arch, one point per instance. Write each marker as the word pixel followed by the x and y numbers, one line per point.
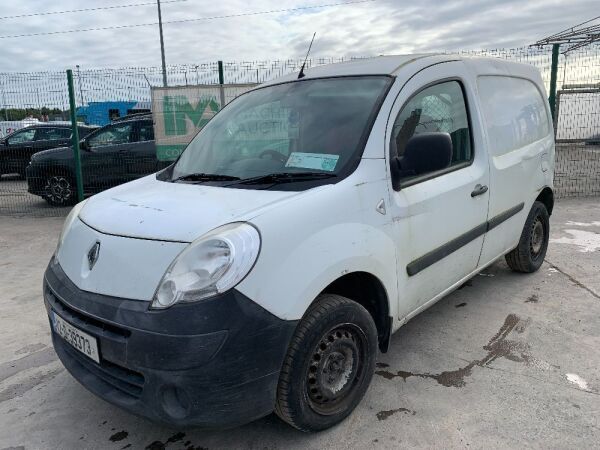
pixel 367 290
pixel 546 196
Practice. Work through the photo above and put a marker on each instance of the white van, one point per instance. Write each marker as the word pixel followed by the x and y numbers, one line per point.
pixel 308 221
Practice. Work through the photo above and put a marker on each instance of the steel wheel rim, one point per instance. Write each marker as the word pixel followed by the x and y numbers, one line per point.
pixel 58 189
pixel 336 367
pixel 537 237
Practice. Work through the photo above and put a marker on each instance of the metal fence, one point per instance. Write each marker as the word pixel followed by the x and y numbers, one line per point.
pixel 105 95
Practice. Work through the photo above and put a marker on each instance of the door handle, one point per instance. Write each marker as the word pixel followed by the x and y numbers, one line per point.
pixel 480 189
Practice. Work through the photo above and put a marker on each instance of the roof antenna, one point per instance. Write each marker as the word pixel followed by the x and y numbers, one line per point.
pixel 301 74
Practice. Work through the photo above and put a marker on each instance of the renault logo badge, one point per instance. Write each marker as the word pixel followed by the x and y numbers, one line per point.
pixel 93 254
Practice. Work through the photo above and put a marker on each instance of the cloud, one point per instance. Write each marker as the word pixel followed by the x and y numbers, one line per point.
pixel 379 27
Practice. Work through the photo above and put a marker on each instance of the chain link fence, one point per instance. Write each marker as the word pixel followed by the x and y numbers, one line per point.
pixel 115 110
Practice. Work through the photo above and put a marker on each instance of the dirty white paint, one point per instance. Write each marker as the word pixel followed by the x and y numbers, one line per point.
pixel 587 241
pixel 576 379
pixel 583 224
pixel 552 270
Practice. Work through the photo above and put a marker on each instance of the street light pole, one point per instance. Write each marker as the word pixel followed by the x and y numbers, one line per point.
pixel 162 45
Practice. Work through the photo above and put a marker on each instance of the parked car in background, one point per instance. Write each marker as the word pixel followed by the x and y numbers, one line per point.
pixel 17 148
pixel 10 126
pixel 116 153
pixel 594 140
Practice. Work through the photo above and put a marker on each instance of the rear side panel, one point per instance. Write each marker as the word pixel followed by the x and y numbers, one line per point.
pixel 520 144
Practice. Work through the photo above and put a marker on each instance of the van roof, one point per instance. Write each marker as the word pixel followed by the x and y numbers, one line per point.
pixel 393 65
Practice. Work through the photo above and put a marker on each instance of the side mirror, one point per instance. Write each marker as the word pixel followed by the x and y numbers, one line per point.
pixel 83 145
pixel 424 153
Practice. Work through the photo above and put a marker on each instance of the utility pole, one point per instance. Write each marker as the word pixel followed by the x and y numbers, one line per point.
pixel 162 45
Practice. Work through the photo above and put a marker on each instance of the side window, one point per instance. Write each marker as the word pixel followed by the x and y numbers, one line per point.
pixel 438 108
pixel 63 133
pixel 22 136
pixel 48 134
pixel 146 131
pixel 111 135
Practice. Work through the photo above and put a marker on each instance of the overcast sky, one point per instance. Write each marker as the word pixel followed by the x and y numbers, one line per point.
pixel 366 29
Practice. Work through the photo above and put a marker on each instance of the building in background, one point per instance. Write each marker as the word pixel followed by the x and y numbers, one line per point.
pixel 102 113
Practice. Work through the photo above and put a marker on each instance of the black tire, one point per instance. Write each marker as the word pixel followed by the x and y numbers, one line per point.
pixel 329 364
pixel 531 251
pixel 60 189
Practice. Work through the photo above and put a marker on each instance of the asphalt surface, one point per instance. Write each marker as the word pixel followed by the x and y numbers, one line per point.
pixel 509 360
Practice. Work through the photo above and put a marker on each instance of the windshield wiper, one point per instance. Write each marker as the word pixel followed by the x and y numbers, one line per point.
pixel 286 177
pixel 205 177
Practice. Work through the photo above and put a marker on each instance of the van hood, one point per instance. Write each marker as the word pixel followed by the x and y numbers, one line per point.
pixel 151 209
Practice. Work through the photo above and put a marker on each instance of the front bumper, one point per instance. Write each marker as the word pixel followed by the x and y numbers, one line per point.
pixel 210 364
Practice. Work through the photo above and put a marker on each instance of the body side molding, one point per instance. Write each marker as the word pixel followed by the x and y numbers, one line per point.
pixel 421 263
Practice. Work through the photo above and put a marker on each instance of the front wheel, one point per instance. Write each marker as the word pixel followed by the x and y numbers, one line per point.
pixel 60 190
pixel 329 364
pixel 531 251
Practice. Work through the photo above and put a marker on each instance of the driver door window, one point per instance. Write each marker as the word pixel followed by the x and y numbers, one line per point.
pixel 111 135
pixel 437 108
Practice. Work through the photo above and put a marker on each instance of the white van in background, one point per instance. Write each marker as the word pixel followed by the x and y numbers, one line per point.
pixel 308 221
pixel 8 126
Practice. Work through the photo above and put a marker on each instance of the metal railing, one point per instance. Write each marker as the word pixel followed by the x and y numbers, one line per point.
pixel 102 95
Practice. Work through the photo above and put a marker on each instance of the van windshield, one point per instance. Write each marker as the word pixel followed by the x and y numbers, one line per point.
pixel 287 133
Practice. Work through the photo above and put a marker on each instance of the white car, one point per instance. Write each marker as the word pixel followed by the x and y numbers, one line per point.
pixel 308 221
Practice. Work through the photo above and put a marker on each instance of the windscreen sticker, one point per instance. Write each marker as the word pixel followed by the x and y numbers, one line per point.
pixel 319 161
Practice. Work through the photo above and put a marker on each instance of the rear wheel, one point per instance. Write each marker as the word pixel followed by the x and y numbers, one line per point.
pixel 329 365
pixel 60 189
pixel 533 244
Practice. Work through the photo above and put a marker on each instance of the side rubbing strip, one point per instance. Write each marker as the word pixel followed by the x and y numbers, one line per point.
pixel 441 252
pixel 497 220
pixel 435 255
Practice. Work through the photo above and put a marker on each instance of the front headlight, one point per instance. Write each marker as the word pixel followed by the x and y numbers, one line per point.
pixel 212 264
pixel 67 224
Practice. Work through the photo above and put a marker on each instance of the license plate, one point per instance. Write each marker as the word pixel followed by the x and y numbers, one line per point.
pixel 86 344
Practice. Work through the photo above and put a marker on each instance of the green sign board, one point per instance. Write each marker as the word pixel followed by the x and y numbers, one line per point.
pixel 181 112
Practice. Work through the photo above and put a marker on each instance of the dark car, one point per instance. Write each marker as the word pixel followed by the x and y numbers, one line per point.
pixel 17 148
pixel 116 153
pixel 594 140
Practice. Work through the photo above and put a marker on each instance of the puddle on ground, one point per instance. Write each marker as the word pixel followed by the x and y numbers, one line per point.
pixel 158 445
pixel 497 347
pixel 383 415
pixel 532 299
pixel 119 436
